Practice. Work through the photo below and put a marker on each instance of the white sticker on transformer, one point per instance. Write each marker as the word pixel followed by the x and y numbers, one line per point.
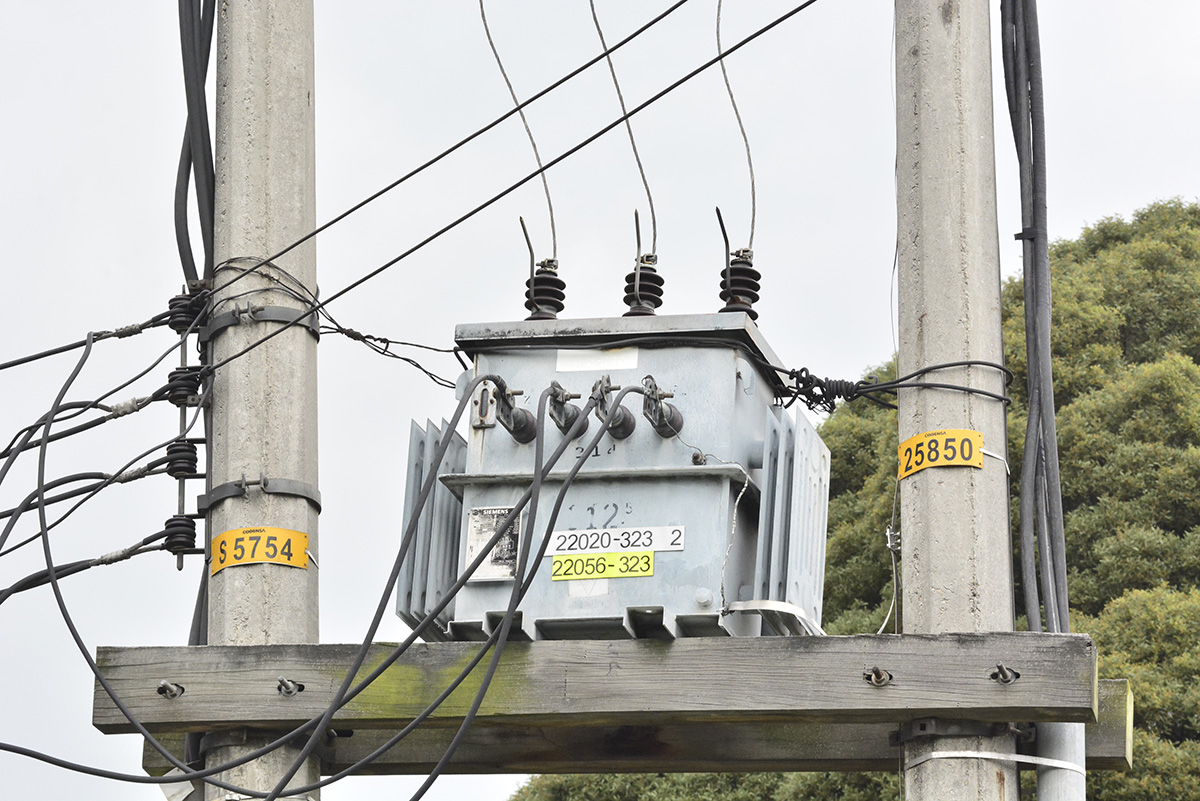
pixel 578 361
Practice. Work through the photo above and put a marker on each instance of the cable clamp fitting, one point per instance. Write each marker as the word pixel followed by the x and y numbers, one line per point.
pixel 260 314
pixel 271 486
pixel 126 407
pixel 132 475
pixel 115 556
pixel 128 330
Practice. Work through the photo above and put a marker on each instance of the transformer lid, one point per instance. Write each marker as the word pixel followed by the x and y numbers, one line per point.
pixel 734 329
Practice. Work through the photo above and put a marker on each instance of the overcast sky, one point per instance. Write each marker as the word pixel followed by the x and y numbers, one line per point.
pixel 93 112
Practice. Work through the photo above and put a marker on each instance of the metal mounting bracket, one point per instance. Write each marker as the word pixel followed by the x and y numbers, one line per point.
pixel 936 727
pixel 271 486
pixel 259 314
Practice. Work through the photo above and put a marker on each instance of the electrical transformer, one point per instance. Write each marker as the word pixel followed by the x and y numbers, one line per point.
pixel 701 511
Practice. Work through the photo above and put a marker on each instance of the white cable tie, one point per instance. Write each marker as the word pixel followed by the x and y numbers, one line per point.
pixel 986 452
pixel 125 407
pixel 997 756
pixel 312 559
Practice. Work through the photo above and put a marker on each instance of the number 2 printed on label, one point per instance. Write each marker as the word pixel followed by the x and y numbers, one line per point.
pixel 950 447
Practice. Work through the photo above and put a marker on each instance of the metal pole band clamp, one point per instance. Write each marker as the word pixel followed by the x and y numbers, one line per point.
pixel 271 486
pixel 260 314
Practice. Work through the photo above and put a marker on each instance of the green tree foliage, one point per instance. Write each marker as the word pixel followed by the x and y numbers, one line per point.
pixel 1126 354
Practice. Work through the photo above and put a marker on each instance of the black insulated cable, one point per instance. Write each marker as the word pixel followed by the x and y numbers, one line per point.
pixel 116 333
pixel 528 131
pixel 469 570
pixel 196 156
pixel 625 115
pixel 470 138
pixel 742 128
pixel 512 188
pixel 208 772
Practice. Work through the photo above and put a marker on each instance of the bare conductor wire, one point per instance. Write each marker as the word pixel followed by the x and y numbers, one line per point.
pixel 629 128
pixel 741 127
pixel 528 131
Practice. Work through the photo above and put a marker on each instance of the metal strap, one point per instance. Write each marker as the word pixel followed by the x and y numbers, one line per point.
pixel 271 486
pixel 999 757
pixel 260 314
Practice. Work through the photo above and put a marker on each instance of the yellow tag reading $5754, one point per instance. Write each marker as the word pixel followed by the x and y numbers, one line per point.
pixel 949 447
pixel 247 546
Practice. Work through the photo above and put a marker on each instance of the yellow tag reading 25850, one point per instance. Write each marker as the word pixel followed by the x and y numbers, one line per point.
pixel 247 546
pixel 949 447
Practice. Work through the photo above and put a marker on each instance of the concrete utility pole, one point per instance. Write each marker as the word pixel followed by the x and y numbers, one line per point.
pixel 957 573
pixel 264 405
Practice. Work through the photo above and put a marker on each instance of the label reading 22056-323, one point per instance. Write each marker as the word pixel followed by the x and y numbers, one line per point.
pixel 247 546
pixel 602 565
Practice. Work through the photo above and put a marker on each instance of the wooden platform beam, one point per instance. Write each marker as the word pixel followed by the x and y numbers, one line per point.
pixel 617 683
pixel 678 748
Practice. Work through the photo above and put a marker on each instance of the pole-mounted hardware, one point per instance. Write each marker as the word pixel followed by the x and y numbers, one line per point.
pixel 270 486
pixel 623 421
pixel 517 422
pixel 287 688
pixel 1003 674
pixel 260 314
pixel 666 420
pixel 565 414
pixel 877 677
pixel 170 691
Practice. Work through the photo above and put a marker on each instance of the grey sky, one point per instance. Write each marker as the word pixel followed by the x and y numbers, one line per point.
pixel 93 115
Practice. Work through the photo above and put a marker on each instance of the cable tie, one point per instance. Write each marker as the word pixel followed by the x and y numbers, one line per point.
pixel 126 407
pixel 128 330
pixel 986 452
pixel 997 756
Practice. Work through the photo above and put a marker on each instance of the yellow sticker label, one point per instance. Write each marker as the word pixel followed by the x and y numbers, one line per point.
pixel 602 565
pixel 248 546
pixel 949 447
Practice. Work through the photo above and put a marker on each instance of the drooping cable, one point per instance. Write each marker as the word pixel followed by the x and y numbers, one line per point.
pixel 625 115
pixel 53 580
pixel 1041 493
pixel 346 692
pixel 513 187
pixel 431 616
pixel 528 131
pixel 194 774
pixel 741 127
